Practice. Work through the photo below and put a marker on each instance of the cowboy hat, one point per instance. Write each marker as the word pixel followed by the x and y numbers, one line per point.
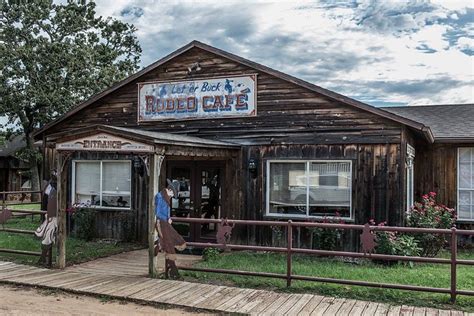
pixel 173 185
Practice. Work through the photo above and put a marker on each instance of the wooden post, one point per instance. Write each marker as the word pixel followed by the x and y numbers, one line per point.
pixel 454 250
pixel 61 211
pixel 154 177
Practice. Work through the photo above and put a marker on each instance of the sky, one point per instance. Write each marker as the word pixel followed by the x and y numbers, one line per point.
pixel 379 52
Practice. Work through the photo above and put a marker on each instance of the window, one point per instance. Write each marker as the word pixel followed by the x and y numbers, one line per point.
pixel 466 184
pixel 103 184
pixel 309 188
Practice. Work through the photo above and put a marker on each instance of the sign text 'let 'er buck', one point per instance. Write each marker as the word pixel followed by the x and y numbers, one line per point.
pixel 197 99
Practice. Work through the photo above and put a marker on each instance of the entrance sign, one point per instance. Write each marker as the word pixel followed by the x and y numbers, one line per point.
pixel 197 99
pixel 104 142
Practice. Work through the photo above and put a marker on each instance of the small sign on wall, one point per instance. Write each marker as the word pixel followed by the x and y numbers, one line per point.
pixel 197 99
pixel 104 142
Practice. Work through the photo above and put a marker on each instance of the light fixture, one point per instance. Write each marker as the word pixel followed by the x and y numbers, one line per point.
pixel 194 68
pixel 253 167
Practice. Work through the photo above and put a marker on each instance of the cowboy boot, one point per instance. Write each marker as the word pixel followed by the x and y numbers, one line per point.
pixel 167 268
pixel 174 271
pixel 44 255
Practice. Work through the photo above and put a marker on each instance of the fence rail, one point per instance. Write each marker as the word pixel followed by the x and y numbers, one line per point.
pixel 453 261
pixel 6 207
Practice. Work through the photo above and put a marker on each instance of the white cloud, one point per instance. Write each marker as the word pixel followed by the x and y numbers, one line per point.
pixel 465 43
pixel 378 51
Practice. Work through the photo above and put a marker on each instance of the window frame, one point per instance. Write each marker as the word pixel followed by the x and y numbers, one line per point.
pixel 73 186
pixel 458 189
pixel 307 162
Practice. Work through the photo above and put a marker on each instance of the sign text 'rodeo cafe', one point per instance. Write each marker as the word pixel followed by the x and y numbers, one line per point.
pixel 217 97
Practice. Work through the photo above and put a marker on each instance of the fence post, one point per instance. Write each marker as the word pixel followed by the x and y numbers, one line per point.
pixel 4 202
pixel 454 250
pixel 289 234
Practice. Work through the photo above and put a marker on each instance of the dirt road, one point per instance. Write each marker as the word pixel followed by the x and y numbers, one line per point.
pixel 28 301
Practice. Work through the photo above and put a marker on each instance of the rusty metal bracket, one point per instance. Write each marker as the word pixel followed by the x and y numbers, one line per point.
pixel 367 239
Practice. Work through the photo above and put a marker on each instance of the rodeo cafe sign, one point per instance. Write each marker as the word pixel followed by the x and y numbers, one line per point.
pixel 197 99
pixel 104 142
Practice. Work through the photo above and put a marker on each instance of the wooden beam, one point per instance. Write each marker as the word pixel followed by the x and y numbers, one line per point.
pixel 153 183
pixel 61 210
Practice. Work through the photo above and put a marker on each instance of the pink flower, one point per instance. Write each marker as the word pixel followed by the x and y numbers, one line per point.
pixel 425 197
pixel 432 194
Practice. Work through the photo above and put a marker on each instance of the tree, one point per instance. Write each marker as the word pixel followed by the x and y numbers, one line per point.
pixel 52 57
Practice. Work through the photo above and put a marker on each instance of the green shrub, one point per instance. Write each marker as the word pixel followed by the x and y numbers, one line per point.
pixel 84 223
pixel 429 214
pixel 393 243
pixel 327 238
pixel 210 254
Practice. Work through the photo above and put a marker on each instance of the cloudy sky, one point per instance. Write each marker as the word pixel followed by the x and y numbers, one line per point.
pixel 379 52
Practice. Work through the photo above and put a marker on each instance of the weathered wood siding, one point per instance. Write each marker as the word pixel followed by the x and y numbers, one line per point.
pixel 286 113
pixel 436 170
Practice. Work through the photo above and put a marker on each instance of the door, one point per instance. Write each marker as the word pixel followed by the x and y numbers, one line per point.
pixel 199 196
pixel 208 202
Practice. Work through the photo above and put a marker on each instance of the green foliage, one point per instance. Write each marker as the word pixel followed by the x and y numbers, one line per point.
pixel 55 55
pixel 327 238
pixel 210 254
pixel 393 243
pixel 84 223
pixel 429 214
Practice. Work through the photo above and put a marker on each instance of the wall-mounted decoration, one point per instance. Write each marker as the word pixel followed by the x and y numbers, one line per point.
pixel 197 99
pixel 104 142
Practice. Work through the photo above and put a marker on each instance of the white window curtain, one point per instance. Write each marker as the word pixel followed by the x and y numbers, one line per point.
pixel 102 183
pixel 466 184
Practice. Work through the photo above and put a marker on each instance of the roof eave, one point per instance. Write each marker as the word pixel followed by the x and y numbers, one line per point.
pixel 454 140
pixel 330 94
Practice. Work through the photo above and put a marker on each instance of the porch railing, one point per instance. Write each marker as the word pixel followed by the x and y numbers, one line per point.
pixel 453 261
pixel 8 212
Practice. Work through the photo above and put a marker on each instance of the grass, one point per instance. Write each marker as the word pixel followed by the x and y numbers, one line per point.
pixel 25 206
pixel 77 250
pixel 421 274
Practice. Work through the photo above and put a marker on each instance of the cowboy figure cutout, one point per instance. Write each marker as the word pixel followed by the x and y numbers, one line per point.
pixel 168 237
pixel 47 230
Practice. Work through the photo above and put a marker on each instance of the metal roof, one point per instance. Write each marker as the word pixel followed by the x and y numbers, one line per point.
pixel 146 136
pixel 451 122
pixel 174 139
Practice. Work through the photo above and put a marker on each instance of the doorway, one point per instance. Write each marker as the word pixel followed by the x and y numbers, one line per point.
pixel 199 196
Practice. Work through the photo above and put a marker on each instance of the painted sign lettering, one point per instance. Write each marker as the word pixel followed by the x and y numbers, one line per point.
pixel 198 99
pixel 104 142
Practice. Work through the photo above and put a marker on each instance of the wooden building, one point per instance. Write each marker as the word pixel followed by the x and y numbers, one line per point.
pixel 248 142
pixel 14 173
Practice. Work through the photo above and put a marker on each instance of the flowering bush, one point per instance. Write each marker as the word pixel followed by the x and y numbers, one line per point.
pixel 327 238
pixel 393 243
pixel 429 214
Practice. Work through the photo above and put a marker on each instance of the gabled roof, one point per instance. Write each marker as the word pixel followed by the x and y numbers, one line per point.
pixel 10 147
pixel 449 123
pixel 330 94
pixel 147 137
